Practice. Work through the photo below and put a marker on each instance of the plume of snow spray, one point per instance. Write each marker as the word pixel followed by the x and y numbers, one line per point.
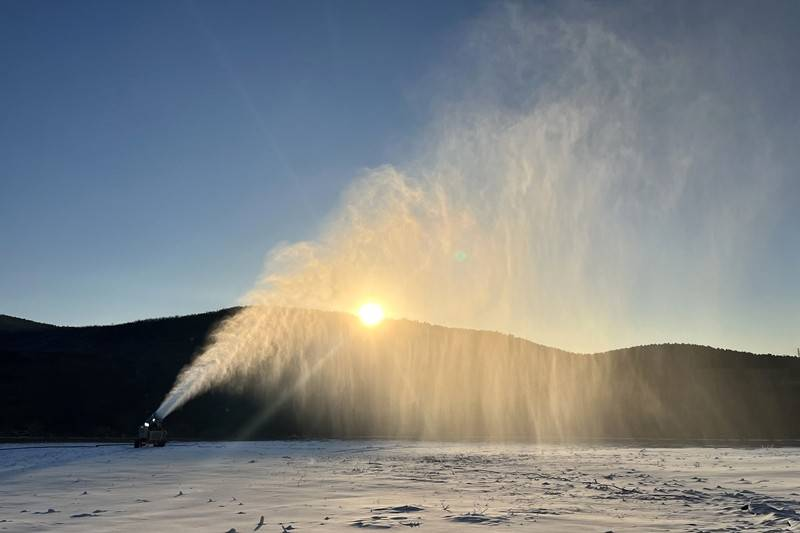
pixel 539 206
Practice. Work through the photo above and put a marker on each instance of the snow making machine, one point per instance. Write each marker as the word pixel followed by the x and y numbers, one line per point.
pixel 151 432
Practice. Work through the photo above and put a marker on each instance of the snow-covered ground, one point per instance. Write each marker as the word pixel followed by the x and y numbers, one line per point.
pixel 342 485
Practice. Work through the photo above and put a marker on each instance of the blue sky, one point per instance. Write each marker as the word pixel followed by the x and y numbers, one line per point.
pixel 152 153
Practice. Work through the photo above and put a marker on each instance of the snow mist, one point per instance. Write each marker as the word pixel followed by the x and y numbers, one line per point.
pixel 580 185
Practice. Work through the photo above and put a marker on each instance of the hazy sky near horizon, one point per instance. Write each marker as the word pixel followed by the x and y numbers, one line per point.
pixel 152 153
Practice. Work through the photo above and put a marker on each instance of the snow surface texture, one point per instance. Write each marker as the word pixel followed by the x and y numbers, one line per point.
pixel 346 486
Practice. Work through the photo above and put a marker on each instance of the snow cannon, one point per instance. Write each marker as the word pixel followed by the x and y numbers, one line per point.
pixel 151 432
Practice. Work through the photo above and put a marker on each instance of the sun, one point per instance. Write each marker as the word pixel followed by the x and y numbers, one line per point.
pixel 371 314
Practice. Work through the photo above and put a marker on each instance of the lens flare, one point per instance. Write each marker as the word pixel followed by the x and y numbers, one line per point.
pixel 371 314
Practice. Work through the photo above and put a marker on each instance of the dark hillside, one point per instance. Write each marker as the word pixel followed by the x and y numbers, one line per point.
pixel 101 382
pixel 98 381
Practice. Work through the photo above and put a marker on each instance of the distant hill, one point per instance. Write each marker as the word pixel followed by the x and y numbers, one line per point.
pixel 10 324
pixel 102 381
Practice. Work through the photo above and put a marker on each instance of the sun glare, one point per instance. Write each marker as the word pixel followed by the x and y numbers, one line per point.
pixel 371 314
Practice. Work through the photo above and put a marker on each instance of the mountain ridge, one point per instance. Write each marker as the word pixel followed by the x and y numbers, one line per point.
pixel 8 323
pixel 101 381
